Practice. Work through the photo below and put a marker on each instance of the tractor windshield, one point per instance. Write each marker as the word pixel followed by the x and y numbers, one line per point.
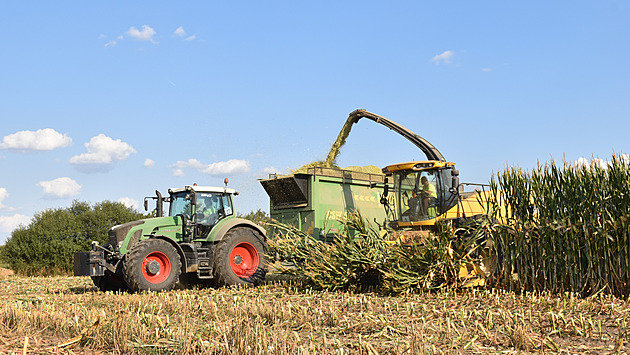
pixel 180 204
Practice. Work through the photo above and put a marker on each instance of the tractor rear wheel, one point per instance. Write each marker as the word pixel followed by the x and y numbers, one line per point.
pixel 240 258
pixel 152 265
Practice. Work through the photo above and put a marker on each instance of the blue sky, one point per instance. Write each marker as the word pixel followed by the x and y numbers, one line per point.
pixel 113 100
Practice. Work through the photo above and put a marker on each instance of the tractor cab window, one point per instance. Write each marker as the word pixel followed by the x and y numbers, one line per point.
pixel 226 206
pixel 208 209
pixel 417 195
pixel 212 207
pixel 180 204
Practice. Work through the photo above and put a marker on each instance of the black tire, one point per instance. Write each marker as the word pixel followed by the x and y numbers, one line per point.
pixel 152 265
pixel 110 282
pixel 240 258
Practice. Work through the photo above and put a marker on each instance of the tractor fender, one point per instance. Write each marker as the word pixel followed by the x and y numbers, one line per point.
pixel 218 234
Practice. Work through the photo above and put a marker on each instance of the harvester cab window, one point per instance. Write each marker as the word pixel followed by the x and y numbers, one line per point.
pixel 417 194
pixel 446 195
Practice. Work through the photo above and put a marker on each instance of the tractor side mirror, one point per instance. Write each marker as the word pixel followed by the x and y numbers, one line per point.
pixel 146 204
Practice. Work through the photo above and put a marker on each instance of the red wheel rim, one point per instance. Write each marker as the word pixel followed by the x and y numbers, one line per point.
pixel 156 267
pixel 244 260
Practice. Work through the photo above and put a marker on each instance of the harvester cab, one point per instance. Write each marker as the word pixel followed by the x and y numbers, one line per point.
pixel 422 191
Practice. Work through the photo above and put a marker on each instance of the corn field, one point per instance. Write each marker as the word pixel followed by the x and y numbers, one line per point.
pixel 562 228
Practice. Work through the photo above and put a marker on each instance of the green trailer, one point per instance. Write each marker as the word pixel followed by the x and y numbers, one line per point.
pixel 314 201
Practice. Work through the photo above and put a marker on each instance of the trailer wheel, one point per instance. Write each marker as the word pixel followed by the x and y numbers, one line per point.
pixel 110 282
pixel 152 265
pixel 240 258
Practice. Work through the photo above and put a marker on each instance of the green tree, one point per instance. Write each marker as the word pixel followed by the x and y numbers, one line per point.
pixel 259 217
pixel 47 245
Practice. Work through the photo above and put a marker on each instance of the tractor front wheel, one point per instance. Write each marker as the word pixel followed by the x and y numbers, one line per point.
pixel 240 258
pixel 152 265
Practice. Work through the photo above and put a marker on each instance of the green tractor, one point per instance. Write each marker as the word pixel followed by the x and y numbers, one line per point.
pixel 201 240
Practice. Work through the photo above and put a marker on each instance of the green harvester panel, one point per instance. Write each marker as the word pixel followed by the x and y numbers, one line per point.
pixel 314 201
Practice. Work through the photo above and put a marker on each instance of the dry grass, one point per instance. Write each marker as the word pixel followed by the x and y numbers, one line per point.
pixel 278 318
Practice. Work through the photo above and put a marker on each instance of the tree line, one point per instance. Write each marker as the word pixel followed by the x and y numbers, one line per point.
pixel 47 245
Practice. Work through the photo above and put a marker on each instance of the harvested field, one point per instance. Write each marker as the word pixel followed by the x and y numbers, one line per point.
pixel 68 315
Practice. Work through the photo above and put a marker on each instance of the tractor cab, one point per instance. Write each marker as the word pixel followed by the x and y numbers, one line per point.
pixel 201 206
pixel 422 192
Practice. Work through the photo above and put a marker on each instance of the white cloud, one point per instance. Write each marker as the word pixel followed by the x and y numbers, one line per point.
pixel 178 173
pixel 581 162
pixel 102 152
pixel 270 170
pixel 146 34
pixel 233 166
pixel 443 57
pixel 600 162
pixel 42 139
pixel 111 43
pixel 486 69
pixel 149 163
pixel 10 223
pixel 60 187
pixel 190 163
pixel 4 194
pixel 179 32
pixel 264 173
pixel 129 202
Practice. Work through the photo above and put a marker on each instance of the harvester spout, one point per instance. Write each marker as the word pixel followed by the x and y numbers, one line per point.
pixel 427 148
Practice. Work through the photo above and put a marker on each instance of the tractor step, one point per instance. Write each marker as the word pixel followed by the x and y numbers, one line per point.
pixel 204 268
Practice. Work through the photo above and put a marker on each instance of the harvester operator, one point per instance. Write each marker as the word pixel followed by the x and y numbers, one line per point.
pixel 428 193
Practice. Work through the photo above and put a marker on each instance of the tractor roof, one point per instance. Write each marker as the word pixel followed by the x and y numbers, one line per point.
pixel 203 189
